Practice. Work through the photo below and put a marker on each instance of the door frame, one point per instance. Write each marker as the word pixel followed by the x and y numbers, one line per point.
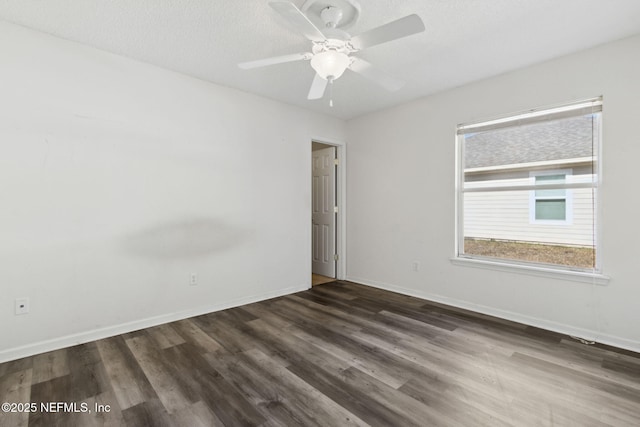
pixel 341 200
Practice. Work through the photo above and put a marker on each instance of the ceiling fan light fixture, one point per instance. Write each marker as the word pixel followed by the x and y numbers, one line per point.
pixel 330 64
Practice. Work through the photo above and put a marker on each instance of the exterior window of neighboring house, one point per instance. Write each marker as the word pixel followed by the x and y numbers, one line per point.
pixel 550 206
pixel 527 189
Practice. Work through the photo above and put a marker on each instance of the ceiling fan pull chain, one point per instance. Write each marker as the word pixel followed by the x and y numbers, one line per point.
pixel 330 91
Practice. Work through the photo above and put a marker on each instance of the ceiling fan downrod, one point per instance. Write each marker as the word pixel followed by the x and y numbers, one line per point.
pixel 331 16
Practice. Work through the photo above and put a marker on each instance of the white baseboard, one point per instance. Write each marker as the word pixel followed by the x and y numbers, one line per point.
pixel 109 331
pixel 587 334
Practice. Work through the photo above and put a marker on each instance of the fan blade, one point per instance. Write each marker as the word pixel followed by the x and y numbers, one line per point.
pixel 274 60
pixel 317 88
pixel 292 14
pixel 402 27
pixel 366 70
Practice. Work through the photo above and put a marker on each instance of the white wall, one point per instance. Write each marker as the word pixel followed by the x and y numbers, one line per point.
pixel 401 197
pixel 119 179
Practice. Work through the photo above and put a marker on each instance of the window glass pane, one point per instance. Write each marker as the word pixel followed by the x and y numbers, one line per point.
pixel 550 179
pixel 505 157
pixel 497 226
pixel 558 193
pixel 527 252
pixel 551 209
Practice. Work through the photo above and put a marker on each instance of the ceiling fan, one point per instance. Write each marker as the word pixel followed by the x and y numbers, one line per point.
pixel 332 47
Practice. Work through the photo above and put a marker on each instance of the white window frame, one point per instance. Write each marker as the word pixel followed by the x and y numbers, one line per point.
pixel 593 276
pixel 568 197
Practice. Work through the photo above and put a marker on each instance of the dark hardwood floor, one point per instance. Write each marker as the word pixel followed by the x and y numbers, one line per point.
pixel 339 354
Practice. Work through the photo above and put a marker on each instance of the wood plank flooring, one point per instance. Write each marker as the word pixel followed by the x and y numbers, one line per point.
pixel 317 279
pixel 340 354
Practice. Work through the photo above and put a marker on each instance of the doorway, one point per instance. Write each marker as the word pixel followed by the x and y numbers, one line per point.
pixel 324 213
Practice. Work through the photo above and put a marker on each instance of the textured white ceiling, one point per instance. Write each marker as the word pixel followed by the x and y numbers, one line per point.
pixel 465 40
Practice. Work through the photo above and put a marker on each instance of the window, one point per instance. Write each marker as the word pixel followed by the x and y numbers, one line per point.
pixel 550 206
pixel 527 189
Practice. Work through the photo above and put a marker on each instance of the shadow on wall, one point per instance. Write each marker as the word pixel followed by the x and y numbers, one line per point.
pixel 184 239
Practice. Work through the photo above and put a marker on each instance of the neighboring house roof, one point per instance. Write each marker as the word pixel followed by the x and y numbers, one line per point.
pixel 566 138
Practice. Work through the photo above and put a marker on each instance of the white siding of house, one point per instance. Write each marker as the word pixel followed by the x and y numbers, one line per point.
pixel 504 215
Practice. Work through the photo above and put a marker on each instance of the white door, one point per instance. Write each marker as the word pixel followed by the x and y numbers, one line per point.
pixel 323 216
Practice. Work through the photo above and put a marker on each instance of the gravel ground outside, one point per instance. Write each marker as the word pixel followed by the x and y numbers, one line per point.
pixel 552 254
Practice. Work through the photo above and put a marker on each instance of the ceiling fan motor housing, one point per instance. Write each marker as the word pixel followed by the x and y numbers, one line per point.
pixel 336 45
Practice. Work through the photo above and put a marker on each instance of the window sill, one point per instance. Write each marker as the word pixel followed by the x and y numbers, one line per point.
pixel 575 276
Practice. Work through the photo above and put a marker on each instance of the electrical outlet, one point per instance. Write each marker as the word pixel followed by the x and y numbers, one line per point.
pixel 415 266
pixel 193 279
pixel 22 305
